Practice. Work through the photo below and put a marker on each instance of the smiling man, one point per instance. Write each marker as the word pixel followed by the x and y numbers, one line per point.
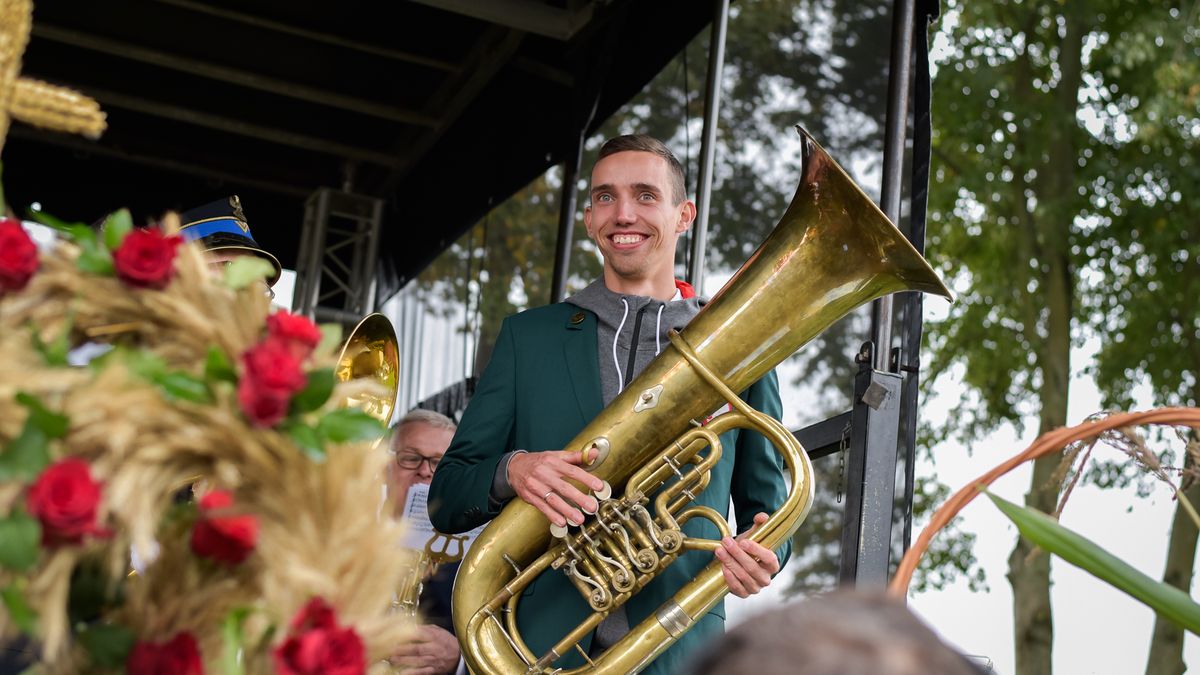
pixel 553 370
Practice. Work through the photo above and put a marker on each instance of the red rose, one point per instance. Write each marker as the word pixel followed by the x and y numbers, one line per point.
pixel 226 539
pixel 179 656
pixel 316 614
pixel 65 499
pixel 296 330
pixel 317 644
pixel 322 651
pixel 146 258
pixel 272 365
pixel 262 406
pixel 18 256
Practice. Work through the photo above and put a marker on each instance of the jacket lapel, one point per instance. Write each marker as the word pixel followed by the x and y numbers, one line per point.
pixel 579 348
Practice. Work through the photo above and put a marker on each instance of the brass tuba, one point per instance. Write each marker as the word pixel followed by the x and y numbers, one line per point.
pixel 371 354
pixel 832 251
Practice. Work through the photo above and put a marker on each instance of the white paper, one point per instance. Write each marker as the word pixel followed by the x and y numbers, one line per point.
pixel 419 532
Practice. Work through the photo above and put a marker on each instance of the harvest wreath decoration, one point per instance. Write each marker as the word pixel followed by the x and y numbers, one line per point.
pixel 279 565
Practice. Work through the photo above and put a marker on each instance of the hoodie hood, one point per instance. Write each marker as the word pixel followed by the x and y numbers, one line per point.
pixel 632 329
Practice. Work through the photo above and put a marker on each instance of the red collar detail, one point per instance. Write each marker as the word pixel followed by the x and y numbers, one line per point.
pixel 685 289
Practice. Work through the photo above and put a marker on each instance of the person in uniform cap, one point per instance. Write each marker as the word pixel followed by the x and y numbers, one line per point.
pixel 220 227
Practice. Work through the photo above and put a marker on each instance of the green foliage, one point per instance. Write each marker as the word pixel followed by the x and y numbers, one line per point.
pixel 246 270
pixel 18 609
pixel 217 367
pixel 231 634
pixel 108 644
pixel 20 535
pixel 315 393
pixel 91 592
pixel 1051 536
pixel 115 227
pixel 54 352
pixel 331 338
pixel 348 425
pixel 174 384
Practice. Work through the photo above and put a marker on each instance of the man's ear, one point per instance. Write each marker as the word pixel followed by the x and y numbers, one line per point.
pixel 587 221
pixel 687 214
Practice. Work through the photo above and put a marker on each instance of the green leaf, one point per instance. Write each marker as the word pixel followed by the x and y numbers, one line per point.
pixel 26 455
pixel 77 232
pixel 217 366
pixel 182 386
pixel 315 393
pixel 54 353
pixel 347 425
pixel 108 644
pixel 246 270
pixel 116 226
pixel 331 338
pixel 90 592
pixel 307 439
pixel 231 631
pixel 94 259
pixel 20 535
pixel 19 610
pixel 50 423
pixel 1050 535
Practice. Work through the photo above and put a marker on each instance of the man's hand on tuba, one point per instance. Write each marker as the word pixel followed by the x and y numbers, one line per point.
pixel 543 480
pixel 747 565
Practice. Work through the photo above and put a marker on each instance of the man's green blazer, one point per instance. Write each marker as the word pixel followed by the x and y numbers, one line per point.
pixel 541 387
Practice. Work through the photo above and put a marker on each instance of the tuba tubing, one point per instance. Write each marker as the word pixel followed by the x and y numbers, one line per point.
pixel 832 251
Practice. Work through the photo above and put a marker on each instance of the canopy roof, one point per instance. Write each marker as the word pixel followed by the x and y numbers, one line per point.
pixel 443 108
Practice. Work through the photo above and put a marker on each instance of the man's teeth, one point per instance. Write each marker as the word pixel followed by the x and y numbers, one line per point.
pixel 627 238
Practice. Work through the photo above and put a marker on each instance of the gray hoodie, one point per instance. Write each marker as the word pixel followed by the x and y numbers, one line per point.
pixel 630 331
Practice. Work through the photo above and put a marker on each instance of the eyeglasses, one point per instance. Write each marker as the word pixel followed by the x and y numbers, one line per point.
pixel 412 462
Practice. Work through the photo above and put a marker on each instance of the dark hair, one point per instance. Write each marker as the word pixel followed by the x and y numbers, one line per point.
pixel 650 144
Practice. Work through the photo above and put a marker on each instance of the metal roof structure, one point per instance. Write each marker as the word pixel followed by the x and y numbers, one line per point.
pixel 443 108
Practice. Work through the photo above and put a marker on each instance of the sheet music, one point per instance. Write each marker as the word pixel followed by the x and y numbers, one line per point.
pixel 418 531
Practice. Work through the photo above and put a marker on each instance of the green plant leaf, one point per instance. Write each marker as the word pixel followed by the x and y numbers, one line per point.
pixel 19 610
pixel 48 422
pixel 246 270
pixel 217 366
pixel 95 260
pixel 91 592
pixel 347 425
pixel 1050 535
pixel 54 353
pixel 116 226
pixel 182 386
pixel 77 232
pixel 315 393
pixel 26 455
pixel 331 337
pixel 307 439
pixel 20 535
pixel 231 631
pixel 108 644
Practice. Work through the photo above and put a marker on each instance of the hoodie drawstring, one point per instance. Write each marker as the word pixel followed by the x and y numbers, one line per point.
pixel 616 361
pixel 658 331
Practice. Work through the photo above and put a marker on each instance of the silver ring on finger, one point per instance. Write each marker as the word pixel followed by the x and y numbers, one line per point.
pixel 546 497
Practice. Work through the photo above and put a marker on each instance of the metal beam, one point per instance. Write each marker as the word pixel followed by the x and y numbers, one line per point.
pixel 231 75
pixel 485 60
pixel 235 126
pixel 708 145
pixel 896 128
pixel 315 36
pixel 530 16
pixel 84 146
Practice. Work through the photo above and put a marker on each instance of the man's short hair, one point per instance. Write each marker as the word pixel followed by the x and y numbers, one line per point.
pixel 650 144
pixel 430 417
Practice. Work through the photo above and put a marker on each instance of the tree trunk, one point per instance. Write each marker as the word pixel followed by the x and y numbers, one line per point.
pixel 1050 225
pixel 1166 646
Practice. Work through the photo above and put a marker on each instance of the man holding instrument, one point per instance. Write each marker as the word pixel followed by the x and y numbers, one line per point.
pixel 553 370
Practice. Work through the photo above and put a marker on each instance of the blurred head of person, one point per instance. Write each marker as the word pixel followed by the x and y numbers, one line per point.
pixel 843 633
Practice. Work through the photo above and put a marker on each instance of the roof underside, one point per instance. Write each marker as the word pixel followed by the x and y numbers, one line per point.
pixel 443 108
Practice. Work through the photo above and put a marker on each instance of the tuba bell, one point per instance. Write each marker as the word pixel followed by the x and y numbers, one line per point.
pixel 371 355
pixel 832 251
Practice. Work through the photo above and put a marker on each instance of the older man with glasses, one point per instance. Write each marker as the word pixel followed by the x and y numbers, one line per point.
pixel 417 444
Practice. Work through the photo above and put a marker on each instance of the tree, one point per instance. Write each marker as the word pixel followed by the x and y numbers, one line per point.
pixel 1016 216
pixel 1148 250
